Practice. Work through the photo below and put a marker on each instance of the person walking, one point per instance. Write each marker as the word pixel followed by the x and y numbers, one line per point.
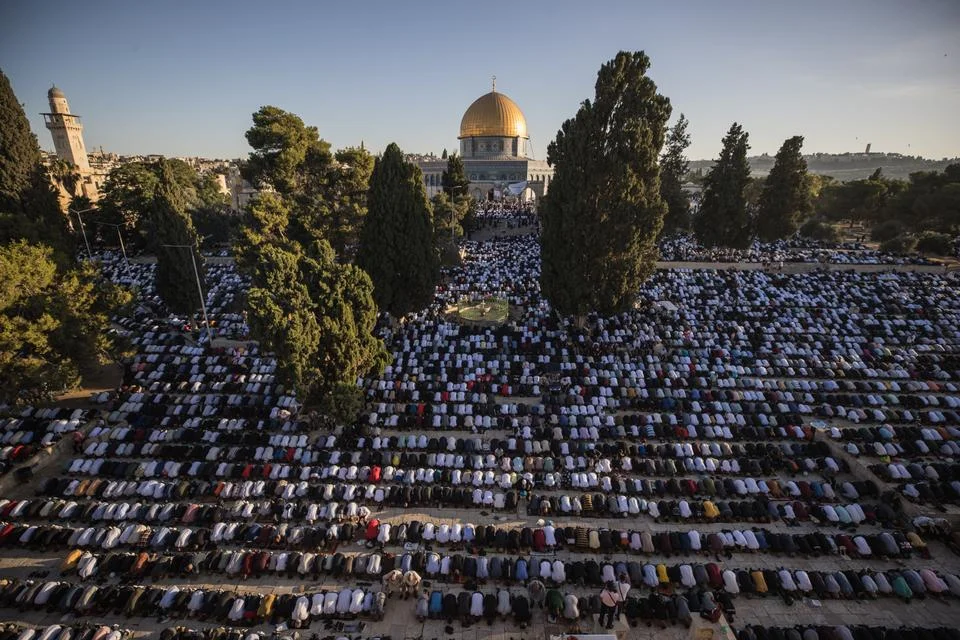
pixel 609 601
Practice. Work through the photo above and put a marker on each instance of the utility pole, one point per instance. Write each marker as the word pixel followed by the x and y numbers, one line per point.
pixel 82 230
pixel 196 274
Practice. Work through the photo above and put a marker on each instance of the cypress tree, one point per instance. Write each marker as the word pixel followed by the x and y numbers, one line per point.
pixel 170 224
pixel 724 219
pixel 604 210
pixel 29 207
pixel 19 153
pixel 673 168
pixel 396 243
pixel 785 199
pixel 454 179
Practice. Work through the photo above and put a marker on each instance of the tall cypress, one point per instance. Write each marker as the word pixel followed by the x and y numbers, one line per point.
pixel 396 243
pixel 724 219
pixel 170 224
pixel 604 210
pixel 673 168
pixel 785 199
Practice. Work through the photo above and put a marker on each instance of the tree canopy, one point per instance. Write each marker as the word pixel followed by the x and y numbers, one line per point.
pixel 673 169
pixel 604 210
pixel 54 313
pixel 317 314
pixel 327 190
pixel 785 200
pixel 454 178
pixel 128 194
pixel 724 218
pixel 169 224
pixel 397 241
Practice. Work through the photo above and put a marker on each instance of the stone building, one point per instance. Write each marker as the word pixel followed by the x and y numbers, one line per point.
pixel 496 151
pixel 67 132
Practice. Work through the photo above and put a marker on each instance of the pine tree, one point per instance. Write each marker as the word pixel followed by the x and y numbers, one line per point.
pixel 785 200
pixel 604 210
pixel 673 168
pixel 396 243
pixel 315 313
pixel 724 219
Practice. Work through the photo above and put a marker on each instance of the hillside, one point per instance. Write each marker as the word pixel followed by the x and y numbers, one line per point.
pixel 847 166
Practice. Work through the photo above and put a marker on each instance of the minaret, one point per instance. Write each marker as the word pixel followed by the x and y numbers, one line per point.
pixel 66 130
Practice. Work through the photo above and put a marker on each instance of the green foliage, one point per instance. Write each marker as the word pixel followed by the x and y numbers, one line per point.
pixel 673 169
pixel 397 241
pixel 19 153
pixel 604 210
pixel 328 191
pixel 343 403
pixel 54 314
pixel 931 201
pixel 818 230
pixel 724 218
pixel 52 323
pixel 65 174
pixel 454 179
pixel 129 191
pixel 858 200
pixel 169 224
pixel 886 230
pixel 940 244
pixel 900 244
pixel 29 207
pixel 316 314
pixel 285 151
pixel 785 200
pixel 347 193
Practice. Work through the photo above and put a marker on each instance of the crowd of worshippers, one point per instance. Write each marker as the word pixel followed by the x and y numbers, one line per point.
pixel 404 573
pixel 206 604
pixel 224 289
pixel 705 592
pixel 843 632
pixel 202 462
pixel 685 248
pixel 75 631
pixel 490 214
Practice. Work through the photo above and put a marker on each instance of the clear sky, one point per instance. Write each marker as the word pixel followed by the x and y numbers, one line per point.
pixel 182 78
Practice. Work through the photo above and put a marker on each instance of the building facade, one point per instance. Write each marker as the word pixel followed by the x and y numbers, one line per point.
pixel 495 149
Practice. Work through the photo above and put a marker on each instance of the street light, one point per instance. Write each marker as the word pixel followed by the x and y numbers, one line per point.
pixel 119 237
pixel 82 230
pixel 196 274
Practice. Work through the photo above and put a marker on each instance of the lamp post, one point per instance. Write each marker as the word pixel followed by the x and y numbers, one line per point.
pixel 82 230
pixel 119 237
pixel 196 274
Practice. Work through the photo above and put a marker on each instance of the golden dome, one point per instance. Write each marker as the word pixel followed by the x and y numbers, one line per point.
pixel 495 115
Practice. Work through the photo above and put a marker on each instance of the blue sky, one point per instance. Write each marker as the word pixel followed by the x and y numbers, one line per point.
pixel 182 78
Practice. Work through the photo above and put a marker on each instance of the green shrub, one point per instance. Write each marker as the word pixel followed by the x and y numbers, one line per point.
pixel 886 231
pixel 819 231
pixel 899 244
pixel 935 243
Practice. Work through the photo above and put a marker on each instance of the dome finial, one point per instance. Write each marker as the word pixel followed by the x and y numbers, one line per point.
pixel 494 84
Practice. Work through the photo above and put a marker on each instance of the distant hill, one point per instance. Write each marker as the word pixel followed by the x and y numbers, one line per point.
pixel 846 166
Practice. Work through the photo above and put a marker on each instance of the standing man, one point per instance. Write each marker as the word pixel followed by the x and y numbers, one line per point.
pixel 609 601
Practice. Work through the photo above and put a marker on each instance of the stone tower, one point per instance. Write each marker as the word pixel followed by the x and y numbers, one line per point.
pixel 67 131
